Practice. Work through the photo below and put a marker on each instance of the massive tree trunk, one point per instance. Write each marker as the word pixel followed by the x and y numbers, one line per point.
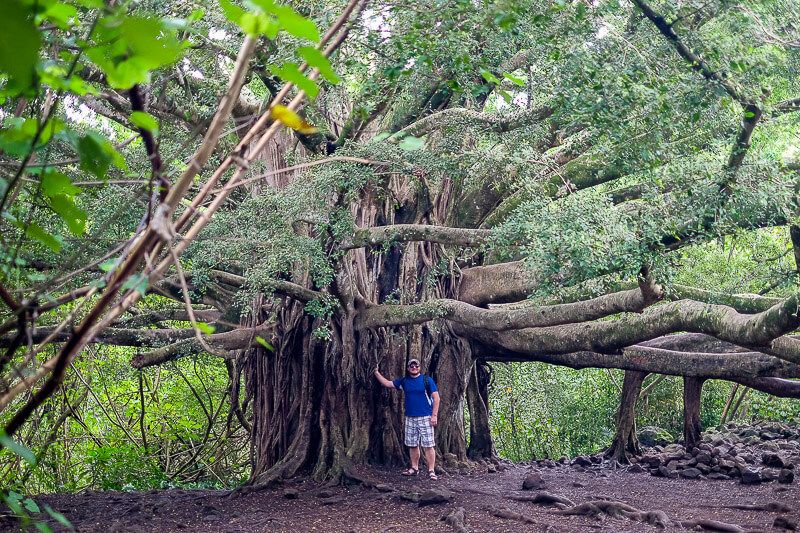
pixel 316 404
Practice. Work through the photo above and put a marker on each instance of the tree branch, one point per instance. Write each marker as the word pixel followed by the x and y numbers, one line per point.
pixel 238 339
pixel 415 232
pixel 504 319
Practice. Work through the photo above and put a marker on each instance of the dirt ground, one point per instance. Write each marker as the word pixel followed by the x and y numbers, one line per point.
pixel 389 505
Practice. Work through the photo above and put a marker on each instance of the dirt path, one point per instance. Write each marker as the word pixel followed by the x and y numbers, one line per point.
pixel 487 499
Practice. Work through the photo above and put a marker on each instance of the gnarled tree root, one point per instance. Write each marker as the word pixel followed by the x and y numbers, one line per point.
pixel 615 509
pixel 457 520
pixel 543 498
pixel 508 514
pixel 711 525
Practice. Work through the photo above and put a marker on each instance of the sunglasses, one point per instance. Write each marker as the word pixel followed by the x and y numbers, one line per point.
pixel 413 365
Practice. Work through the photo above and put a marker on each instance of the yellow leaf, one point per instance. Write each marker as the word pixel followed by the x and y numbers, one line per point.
pixel 290 119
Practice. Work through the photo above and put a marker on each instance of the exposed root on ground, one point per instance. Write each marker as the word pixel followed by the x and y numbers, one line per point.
pixel 508 514
pixel 457 520
pixel 616 509
pixel 712 525
pixel 543 498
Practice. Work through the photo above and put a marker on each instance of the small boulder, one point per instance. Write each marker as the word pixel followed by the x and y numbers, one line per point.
pixel 383 487
pixel 786 476
pixel 774 460
pixel 750 476
pixel 533 481
pixel 785 522
pixel 435 496
pixel 690 473
pixel 582 460
pixel 291 494
pixel 666 472
pixel 703 458
pixel 635 469
pixel 717 476
pixel 654 436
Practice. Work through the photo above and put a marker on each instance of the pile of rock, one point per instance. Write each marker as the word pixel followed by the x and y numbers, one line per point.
pixel 751 453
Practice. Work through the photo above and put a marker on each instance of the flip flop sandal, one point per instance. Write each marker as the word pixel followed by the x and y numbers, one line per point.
pixel 432 475
pixel 410 472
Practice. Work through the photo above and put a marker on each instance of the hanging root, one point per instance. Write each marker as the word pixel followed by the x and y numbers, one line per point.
pixel 615 509
pixel 456 519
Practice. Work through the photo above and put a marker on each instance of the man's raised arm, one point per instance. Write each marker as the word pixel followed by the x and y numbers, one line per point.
pixel 385 382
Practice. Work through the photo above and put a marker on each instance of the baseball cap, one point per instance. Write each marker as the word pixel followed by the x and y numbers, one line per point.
pixel 410 361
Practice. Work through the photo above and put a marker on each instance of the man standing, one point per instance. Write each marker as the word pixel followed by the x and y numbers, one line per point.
pixel 421 409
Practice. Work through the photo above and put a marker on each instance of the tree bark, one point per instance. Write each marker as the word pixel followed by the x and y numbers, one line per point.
pixel 481 445
pixel 692 429
pixel 625 442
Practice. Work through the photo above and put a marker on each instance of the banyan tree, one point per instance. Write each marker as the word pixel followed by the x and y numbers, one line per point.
pixel 468 183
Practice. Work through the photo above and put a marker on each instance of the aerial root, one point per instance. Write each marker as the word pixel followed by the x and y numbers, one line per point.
pixel 457 520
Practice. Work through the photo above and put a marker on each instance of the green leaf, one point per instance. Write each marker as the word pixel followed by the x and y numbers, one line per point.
pixel 97 154
pixel 488 76
pixel 36 232
pixel 749 114
pixel 43 527
pixel 145 121
pixel 61 14
pixel 264 343
pixel 296 24
pixel 19 46
pixel 137 282
pixel 232 12
pixel 208 329
pixel 31 505
pixel 70 213
pixel 107 265
pixel 55 183
pixel 514 79
pixel 17 448
pixel 256 24
pixel 58 517
pixel 411 143
pixel 150 40
pixel 317 60
pixel 290 72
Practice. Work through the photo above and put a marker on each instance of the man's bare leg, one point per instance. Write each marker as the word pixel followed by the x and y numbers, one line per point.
pixel 430 458
pixel 414 452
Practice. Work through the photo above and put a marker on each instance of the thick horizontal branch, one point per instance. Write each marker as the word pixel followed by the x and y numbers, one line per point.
pixel 732 366
pixel 504 319
pixel 416 232
pixel 179 314
pixel 287 288
pixel 743 303
pixel 113 336
pixel 461 116
pixel 238 339
pixel 759 331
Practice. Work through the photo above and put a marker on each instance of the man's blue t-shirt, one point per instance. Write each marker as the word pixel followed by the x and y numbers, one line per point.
pixel 414 391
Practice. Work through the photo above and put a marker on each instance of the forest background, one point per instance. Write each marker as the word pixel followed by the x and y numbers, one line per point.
pixel 113 426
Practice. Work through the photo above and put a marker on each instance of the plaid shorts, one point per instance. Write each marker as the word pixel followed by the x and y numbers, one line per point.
pixel 419 431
